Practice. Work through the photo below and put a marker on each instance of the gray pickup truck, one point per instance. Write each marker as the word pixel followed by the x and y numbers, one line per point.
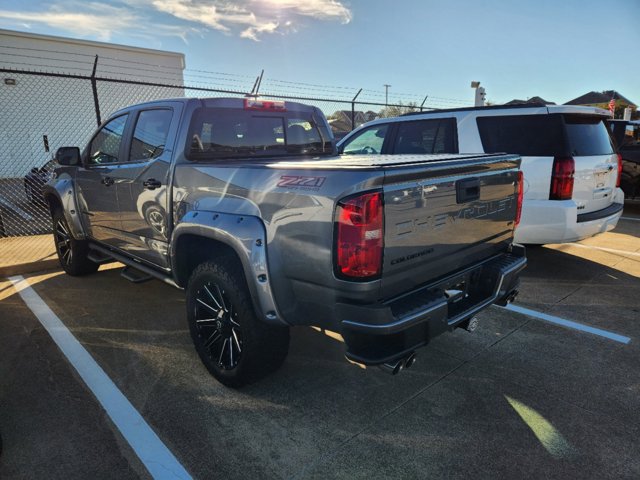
pixel 244 204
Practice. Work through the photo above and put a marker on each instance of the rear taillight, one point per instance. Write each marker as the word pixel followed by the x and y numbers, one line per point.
pixel 562 178
pixel 520 197
pixel 359 236
pixel 619 170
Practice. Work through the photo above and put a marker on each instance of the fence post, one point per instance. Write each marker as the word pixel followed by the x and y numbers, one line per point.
pixel 94 86
pixel 353 110
pixel 422 104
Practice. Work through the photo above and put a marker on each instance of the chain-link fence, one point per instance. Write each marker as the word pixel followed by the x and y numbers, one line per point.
pixel 41 112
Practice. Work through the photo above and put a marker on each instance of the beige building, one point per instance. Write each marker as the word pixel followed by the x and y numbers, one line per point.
pixel 62 109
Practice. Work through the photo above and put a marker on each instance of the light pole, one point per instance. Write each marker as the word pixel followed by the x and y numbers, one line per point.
pixel 386 94
pixel 480 94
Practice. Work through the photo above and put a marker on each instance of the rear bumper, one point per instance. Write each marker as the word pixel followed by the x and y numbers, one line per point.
pixel 391 330
pixel 553 221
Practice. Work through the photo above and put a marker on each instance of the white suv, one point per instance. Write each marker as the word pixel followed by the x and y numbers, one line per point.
pixel 572 175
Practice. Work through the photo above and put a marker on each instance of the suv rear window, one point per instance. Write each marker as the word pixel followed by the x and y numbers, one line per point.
pixel 527 135
pixel 545 135
pixel 229 133
pixel 587 135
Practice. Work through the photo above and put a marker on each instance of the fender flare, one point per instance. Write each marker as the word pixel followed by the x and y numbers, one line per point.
pixel 62 190
pixel 246 236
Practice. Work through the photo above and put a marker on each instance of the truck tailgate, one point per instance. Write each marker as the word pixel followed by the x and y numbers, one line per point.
pixel 444 216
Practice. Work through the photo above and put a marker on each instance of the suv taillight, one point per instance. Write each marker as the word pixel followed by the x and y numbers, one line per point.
pixel 520 197
pixel 619 170
pixel 562 178
pixel 359 236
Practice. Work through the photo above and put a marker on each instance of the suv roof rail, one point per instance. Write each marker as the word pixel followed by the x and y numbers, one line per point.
pixel 467 109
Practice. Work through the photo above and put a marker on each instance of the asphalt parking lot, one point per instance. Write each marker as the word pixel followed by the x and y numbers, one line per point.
pixel 520 397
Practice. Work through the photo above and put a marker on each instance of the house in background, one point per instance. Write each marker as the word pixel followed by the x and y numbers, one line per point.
pixel 534 100
pixel 340 120
pixel 602 99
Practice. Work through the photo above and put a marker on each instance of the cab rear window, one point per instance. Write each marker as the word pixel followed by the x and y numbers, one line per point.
pixel 235 133
pixel 545 135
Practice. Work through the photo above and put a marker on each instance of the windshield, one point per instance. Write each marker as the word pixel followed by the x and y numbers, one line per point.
pixel 234 133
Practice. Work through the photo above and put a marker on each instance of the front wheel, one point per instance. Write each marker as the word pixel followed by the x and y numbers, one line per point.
pixel 235 346
pixel 72 253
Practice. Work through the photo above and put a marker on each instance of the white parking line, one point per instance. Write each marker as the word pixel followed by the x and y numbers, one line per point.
pixel 569 324
pixel 630 218
pixel 155 456
pixel 605 249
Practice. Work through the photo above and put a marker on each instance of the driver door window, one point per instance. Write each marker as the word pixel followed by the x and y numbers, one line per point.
pixel 368 141
pixel 105 146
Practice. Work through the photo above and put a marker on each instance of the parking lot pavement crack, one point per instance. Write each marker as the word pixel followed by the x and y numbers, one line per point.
pixel 332 453
pixel 569 294
pixel 623 260
pixel 588 282
pixel 548 306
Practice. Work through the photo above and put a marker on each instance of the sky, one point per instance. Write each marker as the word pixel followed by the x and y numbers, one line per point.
pixel 556 49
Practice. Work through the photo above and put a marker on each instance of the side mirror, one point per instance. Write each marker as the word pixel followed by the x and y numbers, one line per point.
pixel 69 156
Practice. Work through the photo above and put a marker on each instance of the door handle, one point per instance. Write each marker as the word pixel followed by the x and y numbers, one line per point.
pixel 107 181
pixel 151 184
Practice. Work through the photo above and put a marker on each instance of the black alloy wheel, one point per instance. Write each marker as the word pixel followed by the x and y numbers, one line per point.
pixel 218 328
pixel 63 242
pixel 234 344
pixel 72 253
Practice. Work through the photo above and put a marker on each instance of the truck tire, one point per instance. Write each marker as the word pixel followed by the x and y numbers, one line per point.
pixel 235 346
pixel 72 253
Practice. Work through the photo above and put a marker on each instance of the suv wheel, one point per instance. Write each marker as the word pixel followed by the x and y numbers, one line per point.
pixel 235 346
pixel 155 217
pixel 72 253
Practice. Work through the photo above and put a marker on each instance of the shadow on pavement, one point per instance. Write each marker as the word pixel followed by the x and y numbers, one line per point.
pixel 318 416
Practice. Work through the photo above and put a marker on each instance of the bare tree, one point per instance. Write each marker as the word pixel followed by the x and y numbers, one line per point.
pixel 397 110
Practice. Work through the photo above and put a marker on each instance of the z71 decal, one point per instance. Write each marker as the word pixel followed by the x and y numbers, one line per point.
pixel 300 181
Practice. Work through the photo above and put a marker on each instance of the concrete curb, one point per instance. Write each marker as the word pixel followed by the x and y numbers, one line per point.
pixel 30 267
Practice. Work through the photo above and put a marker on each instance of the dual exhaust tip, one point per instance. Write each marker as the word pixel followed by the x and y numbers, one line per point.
pixel 393 368
pixel 512 296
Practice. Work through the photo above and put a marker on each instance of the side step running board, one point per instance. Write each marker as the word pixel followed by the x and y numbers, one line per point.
pixel 99 257
pixel 134 275
pixel 144 271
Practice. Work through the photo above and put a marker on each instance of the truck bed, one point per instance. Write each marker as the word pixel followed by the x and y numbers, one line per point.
pixel 442 212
